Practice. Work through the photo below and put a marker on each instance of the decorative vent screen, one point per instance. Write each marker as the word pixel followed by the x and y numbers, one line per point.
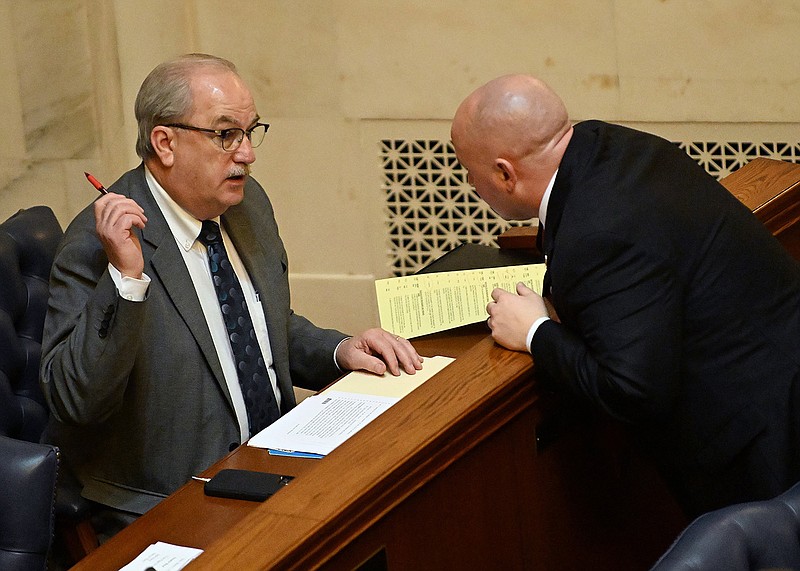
pixel 431 208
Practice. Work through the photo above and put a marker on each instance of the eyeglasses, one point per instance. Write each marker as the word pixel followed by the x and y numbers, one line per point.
pixel 230 139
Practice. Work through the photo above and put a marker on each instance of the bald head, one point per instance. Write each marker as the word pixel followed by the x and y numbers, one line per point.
pixel 510 135
pixel 511 116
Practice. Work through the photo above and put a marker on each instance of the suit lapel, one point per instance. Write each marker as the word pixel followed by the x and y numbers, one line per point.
pixel 570 170
pixel 169 269
pixel 572 164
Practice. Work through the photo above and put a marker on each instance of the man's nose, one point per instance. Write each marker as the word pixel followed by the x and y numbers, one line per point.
pixel 245 153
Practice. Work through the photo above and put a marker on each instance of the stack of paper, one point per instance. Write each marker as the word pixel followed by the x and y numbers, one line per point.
pixel 322 422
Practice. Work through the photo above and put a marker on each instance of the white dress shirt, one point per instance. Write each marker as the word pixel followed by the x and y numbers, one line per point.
pixel 542 221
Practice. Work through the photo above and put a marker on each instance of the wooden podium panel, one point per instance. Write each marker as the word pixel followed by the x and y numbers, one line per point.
pixel 771 189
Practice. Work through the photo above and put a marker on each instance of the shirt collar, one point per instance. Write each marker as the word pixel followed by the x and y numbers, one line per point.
pixel 546 199
pixel 184 226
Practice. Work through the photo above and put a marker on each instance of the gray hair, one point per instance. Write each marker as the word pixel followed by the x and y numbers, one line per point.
pixel 166 95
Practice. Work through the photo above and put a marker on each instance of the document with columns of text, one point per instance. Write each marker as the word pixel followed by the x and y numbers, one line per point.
pixel 416 305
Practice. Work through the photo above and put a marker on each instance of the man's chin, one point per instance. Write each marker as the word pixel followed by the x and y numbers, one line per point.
pixel 234 199
pixel 231 194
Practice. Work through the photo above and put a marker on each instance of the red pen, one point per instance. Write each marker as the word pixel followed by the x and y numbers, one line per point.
pixel 96 183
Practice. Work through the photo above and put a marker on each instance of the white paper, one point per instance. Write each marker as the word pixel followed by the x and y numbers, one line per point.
pixel 321 423
pixel 163 557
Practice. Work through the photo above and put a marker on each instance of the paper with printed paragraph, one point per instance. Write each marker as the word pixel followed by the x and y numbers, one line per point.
pixel 416 305
pixel 316 426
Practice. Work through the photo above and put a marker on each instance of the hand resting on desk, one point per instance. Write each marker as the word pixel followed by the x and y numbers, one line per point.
pixel 376 350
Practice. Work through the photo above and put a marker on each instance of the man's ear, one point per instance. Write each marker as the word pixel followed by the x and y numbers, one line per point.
pixel 507 173
pixel 163 139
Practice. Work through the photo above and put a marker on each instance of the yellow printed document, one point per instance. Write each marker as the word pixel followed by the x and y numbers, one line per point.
pixel 417 305
pixel 387 385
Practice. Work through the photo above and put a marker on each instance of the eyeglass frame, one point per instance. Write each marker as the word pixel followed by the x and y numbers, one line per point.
pixel 222 133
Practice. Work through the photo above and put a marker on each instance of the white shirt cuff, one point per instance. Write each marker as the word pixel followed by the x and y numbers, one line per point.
pixel 532 331
pixel 131 289
pixel 336 351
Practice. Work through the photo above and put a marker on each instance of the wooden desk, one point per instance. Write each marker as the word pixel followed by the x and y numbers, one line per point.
pixel 771 189
pixel 451 477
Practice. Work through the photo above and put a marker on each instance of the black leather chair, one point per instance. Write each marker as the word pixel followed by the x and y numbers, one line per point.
pixel 28 242
pixel 748 536
pixel 28 474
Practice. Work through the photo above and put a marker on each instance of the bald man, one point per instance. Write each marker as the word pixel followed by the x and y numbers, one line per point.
pixel 677 311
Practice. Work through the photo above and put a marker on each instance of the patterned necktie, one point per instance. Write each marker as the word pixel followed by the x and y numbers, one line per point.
pixel 259 399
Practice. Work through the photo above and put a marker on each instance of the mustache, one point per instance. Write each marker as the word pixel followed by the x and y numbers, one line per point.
pixel 239 171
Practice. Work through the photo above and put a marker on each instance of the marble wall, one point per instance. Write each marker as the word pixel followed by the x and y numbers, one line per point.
pixel 334 77
pixel 55 104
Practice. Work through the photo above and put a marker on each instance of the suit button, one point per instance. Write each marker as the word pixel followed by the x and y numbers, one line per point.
pixel 233 446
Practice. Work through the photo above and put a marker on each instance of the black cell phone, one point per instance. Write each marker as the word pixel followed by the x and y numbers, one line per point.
pixel 245 484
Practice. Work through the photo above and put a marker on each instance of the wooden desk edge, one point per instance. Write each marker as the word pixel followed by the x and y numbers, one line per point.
pixel 761 182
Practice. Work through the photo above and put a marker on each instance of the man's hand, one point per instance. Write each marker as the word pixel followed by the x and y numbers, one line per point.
pixel 376 350
pixel 115 216
pixel 511 316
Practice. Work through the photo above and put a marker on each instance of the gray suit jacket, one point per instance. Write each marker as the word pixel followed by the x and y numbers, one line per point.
pixel 135 389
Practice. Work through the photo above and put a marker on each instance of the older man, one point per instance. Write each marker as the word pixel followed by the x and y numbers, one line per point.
pixel 169 338
pixel 679 313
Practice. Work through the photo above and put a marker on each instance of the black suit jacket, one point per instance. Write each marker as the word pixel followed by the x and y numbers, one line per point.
pixel 680 314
